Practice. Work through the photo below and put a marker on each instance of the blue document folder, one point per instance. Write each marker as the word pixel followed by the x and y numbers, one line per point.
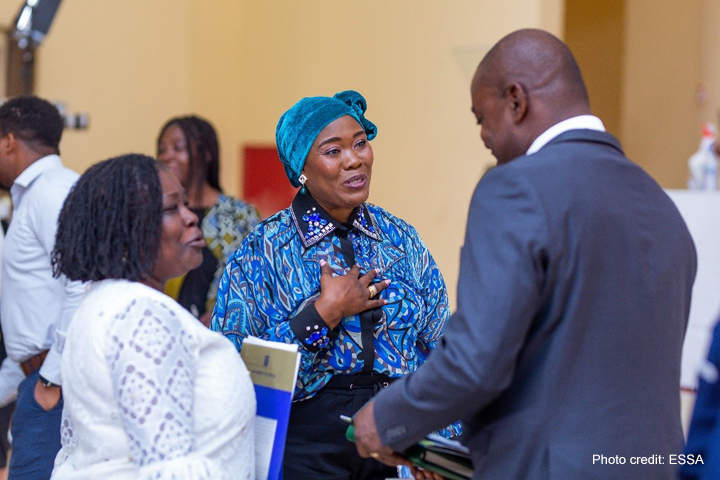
pixel 273 368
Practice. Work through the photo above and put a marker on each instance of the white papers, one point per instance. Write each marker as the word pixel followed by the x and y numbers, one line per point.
pixel 264 437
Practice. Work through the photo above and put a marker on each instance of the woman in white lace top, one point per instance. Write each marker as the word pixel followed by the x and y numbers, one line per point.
pixel 149 392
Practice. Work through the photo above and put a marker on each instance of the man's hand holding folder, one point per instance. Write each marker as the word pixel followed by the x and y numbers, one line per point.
pixel 367 439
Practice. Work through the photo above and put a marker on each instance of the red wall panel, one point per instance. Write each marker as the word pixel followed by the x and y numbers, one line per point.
pixel 264 182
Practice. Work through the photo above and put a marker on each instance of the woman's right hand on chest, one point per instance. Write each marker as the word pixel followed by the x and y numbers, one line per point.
pixel 349 294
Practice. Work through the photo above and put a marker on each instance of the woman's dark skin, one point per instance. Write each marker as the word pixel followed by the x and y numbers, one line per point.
pixel 338 170
pixel 346 295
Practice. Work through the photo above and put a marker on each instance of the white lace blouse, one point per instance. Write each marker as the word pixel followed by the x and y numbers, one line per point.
pixel 151 393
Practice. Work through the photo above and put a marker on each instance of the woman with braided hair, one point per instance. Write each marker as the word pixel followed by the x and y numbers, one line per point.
pixel 188 146
pixel 144 397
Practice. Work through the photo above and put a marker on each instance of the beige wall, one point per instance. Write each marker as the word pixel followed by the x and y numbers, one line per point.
pixel 710 60
pixel 132 64
pixel 413 61
pixel 660 125
pixel 642 62
pixel 594 31
pixel 126 64
pixel 218 74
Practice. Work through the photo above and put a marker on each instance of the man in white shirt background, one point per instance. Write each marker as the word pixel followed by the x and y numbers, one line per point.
pixel 10 377
pixel 36 307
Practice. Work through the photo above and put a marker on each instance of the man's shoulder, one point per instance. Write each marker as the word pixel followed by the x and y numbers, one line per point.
pixel 46 195
pixel 58 178
pixel 60 174
pixel 561 156
pixel 573 141
pixel 53 183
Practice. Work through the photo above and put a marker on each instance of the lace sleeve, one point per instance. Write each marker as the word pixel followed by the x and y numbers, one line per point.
pixel 152 365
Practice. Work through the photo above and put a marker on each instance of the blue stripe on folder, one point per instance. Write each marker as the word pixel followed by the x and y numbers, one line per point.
pixel 275 404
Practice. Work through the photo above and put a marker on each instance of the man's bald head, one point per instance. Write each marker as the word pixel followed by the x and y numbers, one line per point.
pixel 538 61
pixel 528 82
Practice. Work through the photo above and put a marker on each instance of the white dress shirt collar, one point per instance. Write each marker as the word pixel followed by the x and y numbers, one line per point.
pixel 581 122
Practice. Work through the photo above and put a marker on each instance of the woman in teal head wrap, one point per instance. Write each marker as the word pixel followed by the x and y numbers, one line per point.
pixel 300 126
pixel 351 284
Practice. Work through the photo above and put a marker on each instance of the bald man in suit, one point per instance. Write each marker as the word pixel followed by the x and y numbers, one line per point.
pixel 563 357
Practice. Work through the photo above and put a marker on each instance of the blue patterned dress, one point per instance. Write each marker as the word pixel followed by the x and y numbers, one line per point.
pixel 269 286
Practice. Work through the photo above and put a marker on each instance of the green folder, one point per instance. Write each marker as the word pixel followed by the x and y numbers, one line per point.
pixel 425 454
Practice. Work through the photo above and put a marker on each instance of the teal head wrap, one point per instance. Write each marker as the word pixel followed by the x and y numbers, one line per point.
pixel 299 127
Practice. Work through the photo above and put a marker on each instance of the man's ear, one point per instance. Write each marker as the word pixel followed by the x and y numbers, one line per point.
pixel 517 99
pixel 8 142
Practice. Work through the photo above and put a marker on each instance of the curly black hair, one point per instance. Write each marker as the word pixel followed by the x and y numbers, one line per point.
pixel 203 150
pixel 110 225
pixel 32 120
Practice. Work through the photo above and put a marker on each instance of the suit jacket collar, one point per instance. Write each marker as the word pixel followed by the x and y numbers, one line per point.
pixel 578 122
pixel 593 136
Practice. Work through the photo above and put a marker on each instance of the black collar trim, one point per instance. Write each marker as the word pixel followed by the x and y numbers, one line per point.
pixel 313 223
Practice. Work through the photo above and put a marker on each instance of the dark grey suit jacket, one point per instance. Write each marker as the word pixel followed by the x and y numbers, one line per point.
pixel 573 298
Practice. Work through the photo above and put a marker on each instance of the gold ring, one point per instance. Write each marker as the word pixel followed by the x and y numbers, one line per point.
pixel 372 291
pixel 375 455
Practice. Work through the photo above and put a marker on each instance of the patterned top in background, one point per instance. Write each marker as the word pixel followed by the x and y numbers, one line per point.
pixel 275 274
pixel 224 226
